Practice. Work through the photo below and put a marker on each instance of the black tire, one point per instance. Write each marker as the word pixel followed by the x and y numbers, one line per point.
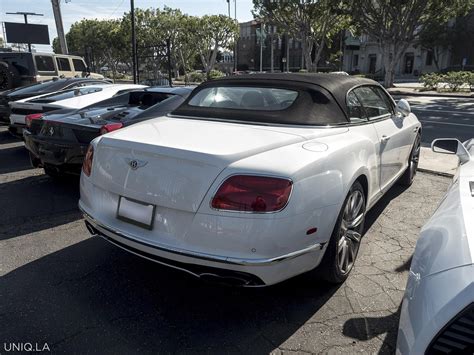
pixel 330 268
pixel 409 175
pixel 34 161
pixel 6 78
pixel 54 173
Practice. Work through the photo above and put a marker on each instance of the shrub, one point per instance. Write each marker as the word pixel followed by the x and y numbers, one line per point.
pixel 214 74
pixel 431 80
pixel 456 79
pixel 196 77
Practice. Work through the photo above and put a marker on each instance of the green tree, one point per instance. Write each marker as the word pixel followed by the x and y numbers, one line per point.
pixel 394 24
pixel 214 32
pixel 313 22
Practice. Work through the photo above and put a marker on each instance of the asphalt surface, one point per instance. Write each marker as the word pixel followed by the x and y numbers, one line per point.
pixel 82 295
pixel 443 117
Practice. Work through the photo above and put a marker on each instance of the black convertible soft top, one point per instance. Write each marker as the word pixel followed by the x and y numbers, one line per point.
pixel 321 99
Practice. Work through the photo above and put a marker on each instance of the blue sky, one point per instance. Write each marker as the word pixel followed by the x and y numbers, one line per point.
pixel 74 10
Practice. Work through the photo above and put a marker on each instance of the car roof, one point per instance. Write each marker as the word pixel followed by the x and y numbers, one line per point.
pixel 338 85
pixel 326 91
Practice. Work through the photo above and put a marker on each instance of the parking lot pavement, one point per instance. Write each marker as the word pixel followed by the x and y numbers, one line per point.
pixel 81 295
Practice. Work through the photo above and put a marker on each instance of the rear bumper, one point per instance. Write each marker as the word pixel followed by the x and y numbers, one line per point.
pixel 16 129
pixel 238 271
pixel 4 115
pixel 68 156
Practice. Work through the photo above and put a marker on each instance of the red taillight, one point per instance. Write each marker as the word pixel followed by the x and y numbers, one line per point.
pixel 109 127
pixel 252 194
pixel 33 116
pixel 87 164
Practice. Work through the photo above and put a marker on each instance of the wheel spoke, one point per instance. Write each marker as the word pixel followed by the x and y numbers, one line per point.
pixel 358 206
pixel 354 223
pixel 353 236
pixel 342 254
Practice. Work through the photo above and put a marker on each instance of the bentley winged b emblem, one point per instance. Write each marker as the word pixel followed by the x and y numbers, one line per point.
pixel 135 163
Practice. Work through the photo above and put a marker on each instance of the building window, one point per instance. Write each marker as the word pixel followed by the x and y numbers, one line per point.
pixel 429 58
pixel 355 60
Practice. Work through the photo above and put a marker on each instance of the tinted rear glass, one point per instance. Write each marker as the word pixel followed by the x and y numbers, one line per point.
pixel 44 63
pixel 245 98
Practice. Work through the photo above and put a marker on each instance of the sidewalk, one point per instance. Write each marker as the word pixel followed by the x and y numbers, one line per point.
pixel 414 92
pixel 442 164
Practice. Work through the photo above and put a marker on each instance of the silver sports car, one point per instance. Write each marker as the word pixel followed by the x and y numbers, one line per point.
pixel 437 315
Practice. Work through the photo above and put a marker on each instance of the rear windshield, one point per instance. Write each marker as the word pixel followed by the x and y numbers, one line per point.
pixel 147 99
pixel 245 98
pixel 66 94
pixel 272 101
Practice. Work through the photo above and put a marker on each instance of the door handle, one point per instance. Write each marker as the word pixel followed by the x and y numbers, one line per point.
pixel 384 138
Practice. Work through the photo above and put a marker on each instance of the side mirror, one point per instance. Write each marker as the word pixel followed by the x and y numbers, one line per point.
pixel 403 107
pixel 451 146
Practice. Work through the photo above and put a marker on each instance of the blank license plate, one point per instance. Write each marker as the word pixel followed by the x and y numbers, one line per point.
pixel 136 212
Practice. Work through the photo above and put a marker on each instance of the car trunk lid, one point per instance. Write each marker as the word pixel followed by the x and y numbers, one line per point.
pixel 178 160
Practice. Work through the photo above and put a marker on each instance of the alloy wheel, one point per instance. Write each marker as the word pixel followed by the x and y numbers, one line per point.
pixel 415 157
pixel 350 231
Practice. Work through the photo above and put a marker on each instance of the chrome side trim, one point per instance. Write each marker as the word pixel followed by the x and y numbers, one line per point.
pixel 203 256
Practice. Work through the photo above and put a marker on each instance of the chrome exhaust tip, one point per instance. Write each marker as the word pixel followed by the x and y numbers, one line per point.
pixel 226 280
pixel 91 229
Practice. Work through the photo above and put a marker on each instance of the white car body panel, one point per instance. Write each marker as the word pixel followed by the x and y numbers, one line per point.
pixel 190 159
pixel 72 103
pixel 441 279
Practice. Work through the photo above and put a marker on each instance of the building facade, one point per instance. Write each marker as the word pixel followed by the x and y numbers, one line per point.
pixel 362 54
pixel 278 53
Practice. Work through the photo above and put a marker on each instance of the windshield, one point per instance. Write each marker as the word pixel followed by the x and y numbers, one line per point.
pixel 67 94
pixel 38 87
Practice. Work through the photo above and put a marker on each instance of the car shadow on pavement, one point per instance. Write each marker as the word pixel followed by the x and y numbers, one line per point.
pixel 6 137
pixel 36 203
pixel 381 204
pixel 14 159
pixel 92 296
pixel 366 328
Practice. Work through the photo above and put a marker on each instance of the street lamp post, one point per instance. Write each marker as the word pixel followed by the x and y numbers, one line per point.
pixel 134 43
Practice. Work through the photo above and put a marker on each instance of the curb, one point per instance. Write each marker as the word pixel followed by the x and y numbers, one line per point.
pixel 406 93
pixel 434 172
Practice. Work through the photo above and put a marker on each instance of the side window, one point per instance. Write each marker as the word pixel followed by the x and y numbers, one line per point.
pixel 355 109
pixel 44 63
pixel 386 98
pixel 63 64
pixel 373 104
pixel 78 65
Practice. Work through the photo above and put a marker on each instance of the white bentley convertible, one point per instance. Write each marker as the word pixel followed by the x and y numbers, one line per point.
pixel 253 179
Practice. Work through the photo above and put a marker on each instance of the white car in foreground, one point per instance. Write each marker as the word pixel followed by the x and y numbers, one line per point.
pixel 437 315
pixel 76 98
pixel 253 179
